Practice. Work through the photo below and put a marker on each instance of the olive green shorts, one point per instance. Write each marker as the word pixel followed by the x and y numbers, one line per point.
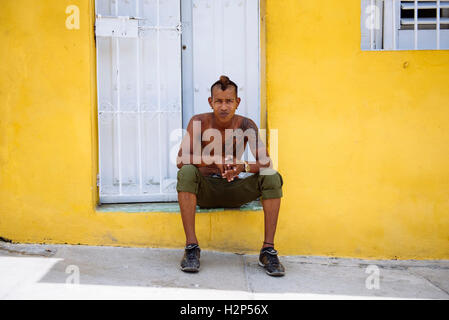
pixel 216 192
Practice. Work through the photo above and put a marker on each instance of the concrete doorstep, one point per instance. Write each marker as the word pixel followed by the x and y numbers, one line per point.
pixel 84 272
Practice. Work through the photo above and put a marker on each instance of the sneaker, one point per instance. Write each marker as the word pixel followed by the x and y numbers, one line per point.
pixel 191 260
pixel 269 260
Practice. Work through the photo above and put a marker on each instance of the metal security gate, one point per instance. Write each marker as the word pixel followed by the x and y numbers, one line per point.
pixel 139 98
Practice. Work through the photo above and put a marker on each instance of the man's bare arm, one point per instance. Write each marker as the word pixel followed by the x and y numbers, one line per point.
pixel 258 149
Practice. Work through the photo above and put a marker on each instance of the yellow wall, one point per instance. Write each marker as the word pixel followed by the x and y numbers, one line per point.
pixel 363 140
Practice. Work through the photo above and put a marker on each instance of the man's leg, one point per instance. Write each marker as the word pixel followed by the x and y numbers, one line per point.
pixel 188 187
pixel 271 190
pixel 266 186
pixel 187 204
pixel 189 180
pixel 271 211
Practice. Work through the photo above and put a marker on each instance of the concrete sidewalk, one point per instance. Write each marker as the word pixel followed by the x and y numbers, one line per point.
pixel 49 271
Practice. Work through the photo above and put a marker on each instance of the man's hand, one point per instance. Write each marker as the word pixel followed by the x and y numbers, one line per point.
pixel 232 170
pixel 229 169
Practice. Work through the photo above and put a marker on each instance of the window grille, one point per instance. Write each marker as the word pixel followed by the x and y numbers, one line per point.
pixel 139 98
pixel 404 25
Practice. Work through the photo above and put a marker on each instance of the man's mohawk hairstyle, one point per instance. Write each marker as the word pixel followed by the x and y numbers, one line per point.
pixel 224 83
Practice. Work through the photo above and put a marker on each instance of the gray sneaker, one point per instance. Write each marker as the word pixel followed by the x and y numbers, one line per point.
pixel 191 260
pixel 269 260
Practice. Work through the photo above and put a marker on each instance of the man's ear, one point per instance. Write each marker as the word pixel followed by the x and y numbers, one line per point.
pixel 210 102
pixel 238 102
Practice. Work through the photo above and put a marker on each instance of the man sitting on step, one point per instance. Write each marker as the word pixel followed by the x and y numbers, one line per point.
pixel 210 163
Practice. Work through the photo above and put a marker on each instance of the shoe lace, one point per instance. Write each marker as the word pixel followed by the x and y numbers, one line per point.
pixel 272 259
pixel 191 254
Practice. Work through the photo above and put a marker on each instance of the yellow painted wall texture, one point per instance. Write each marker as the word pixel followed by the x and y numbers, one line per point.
pixel 363 140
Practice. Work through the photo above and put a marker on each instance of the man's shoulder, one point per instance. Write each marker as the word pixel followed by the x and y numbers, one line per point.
pixel 202 117
pixel 247 123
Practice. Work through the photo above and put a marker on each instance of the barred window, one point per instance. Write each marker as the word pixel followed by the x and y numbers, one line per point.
pixel 404 25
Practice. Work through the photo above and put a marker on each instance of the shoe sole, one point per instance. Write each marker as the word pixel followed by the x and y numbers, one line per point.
pixel 190 270
pixel 273 274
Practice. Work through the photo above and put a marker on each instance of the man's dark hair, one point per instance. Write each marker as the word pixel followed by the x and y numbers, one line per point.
pixel 224 83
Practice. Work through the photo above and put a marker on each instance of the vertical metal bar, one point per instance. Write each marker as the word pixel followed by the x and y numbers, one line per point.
pixel 180 89
pixel 117 48
pixel 246 53
pixel 100 187
pixel 246 86
pixel 415 24
pixel 372 21
pixel 158 72
pixel 394 23
pixel 139 114
pixel 261 67
pixel 187 74
pixel 222 26
pixel 438 24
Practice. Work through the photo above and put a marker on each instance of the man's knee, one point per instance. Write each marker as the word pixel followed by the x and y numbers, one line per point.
pixel 188 179
pixel 188 172
pixel 270 183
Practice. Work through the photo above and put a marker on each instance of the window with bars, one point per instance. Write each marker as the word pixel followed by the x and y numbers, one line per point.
pixel 404 25
pixel 427 15
pixel 156 61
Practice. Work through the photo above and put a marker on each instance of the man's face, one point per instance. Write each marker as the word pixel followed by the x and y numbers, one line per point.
pixel 224 103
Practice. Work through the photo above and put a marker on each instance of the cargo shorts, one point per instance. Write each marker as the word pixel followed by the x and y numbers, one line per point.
pixel 216 192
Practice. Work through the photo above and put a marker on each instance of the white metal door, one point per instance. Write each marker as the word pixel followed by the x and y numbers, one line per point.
pixel 220 37
pixel 139 98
